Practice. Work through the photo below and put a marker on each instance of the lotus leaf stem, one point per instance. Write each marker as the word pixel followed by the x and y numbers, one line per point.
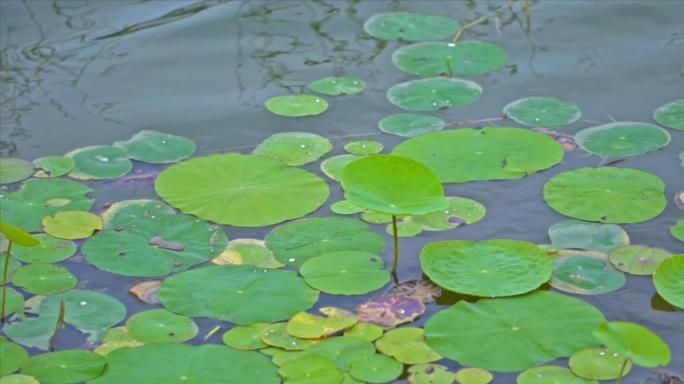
pixel 622 371
pixel 5 282
pixel 395 263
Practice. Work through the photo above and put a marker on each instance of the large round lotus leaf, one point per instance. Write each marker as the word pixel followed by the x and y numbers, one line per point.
pixel 345 207
pixel 459 212
pixel 62 367
pixel 364 147
pixel 407 345
pixel 248 251
pixel 489 268
pixel 50 250
pixel 431 374
pixel 11 355
pixel 513 333
pixel 155 246
pixel 172 363
pixel 296 105
pixel 53 166
pixel 294 148
pixel 410 26
pixel 590 236
pixel 550 374
pixel 310 369
pixel 14 301
pixel 343 85
pixel 538 111
pixel 622 139
pixel 669 280
pixel 393 185
pixel 390 311
pixel 245 337
pixel 345 272
pixel 13 169
pixel 410 124
pixel 157 147
pixel 671 115
pixel 638 259
pixel 298 241
pixel 439 58
pixel 44 279
pixel 161 326
pixel 585 274
pixel 433 93
pixel 241 294
pixel 490 153
pixel 37 198
pixel 72 225
pixel 307 326
pixel 366 331
pixel 473 375
pixel 599 364
pixel 635 341
pixel 18 379
pixel 276 335
pixel 241 190
pixel 124 213
pixel 99 162
pixel 375 368
pixel 333 166
pixel 606 194
pixel 677 230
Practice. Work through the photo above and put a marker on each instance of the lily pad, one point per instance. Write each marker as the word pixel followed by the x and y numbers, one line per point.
pixel 434 58
pixel 345 272
pixel 489 268
pixel 44 279
pixel 99 162
pixel 53 166
pixel 599 364
pixel 18 379
pixel 366 331
pixel 513 333
pixel 410 124
pixel 622 139
pixel 405 228
pixel 157 147
pixel 245 337
pixel 671 115
pixel 155 246
pixel 241 190
pixel 550 374
pixel 473 375
pixel 585 274
pixel 390 311
pixel 14 169
pixel 606 194
pixel 635 341
pixel 294 148
pixel 677 230
pixel 430 374
pixel 410 26
pixel 669 280
pixel 50 250
pixel 307 326
pixel 407 345
pixel 343 85
pixel 310 369
pixel 590 236
pixel 345 207
pixel 460 211
pixel 117 337
pixel 333 166
pixel 174 363
pixel 72 225
pixel 638 259
pixel 161 326
pixel 342 350
pixel 296 105
pixel 12 356
pixel 241 294
pixel 249 252
pixel 276 335
pixel 433 93
pixel 363 147
pixel 490 153
pixel 62 367
pixel 375 217
pixel 375 368
pixel 538 111
pixel 14 302
pixel 296 242
pixel 124 213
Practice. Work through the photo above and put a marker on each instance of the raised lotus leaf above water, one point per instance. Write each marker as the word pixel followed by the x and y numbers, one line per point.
pixel 63 367
pixel 671 115
pixel 433 93
pixel 669 280
pixel 599 364
pixel 410 124
pixel 99 162
pixel 296 105
pixel 345 272
pixel 585 273
pixel 490 153
pixel 13 169
pixel 622 139
pixel 294 148
pixel 53 166
pixel 410 26
pixel 434 58
pixel 343 85
pixel 590 236
pixel 157 147
pixel 241 190
pixel 606 194
pixel 538 111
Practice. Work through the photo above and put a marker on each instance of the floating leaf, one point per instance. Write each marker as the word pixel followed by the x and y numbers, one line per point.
pixel 161 326
pixel 18 379
pixel 310 369
pixel 363 147
pixel 13 169
pixel 276 335
pixel 11 355
pixel 342 350
pixel 550 374
pixel 345 207
pixel 669 280
pixel 410 124
pixel 435 58
pixel 249 252
pixel 157 147
pixel 345 272
pixel 636 342
pixel 671 115
pixel 44 279
pixel 638 259
pixel 333 166
pixel 430 374
pixel 296 242
pixel 14 301
pixel 433 93
pixel 50 250
pixel 423 290
pixel 590 236
pixel 366 331
pixel 375 368
pixel 375 217
pixel 407 345
pixel 410 26
pixel 241 294
pixel 117 337
pixel 459 212
pixel 126 212
pixel 540 111
pixel 99 162
pixel 343 85
pixel 72 225
pixel 241 190
pixel 18 235
pixel 307 326
pixel 606 194
pixel 390 311
pixel 405 228
pixel 622 139
pixel 490 153
pixel 513 333
pixel 489 268
pixel 677 230
pixel 146 291
pixel 599 364
pixel 53 166
pixel 294 148
pixel 296 105
pixel 62 367
pixel 585 274
pixel 245 337
pixel 473 375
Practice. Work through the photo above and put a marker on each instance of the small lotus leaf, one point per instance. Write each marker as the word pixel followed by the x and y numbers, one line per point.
pixel 157 147
pixel 345 207
pixel 363 147
pixel 161 326
pixel 434 93
pixel 296 105
pixel 669 280
pixel 390 311
pixel 405 228
pixel 245 337
pixel 241 190
pixel 307 326
pixel 590 236
pixel 459 212
pixel 635 341
pixel 622 139
pixel 407 345
pixel 333 166
pixel 410 124
pixel 473 375
pixel 671 115
pixel 345 272
pixel 72 225
pixel 638 259
pixel 99 162
pixel 599 364
pixel 343 85
pixel 50 250
pixel 375 217
pixel 430 374
pixel 146 290
pixel 343 350
pixel 44 279
pixel 12 356
pixel 435 58
pixel 124 213
pixel 513 333
pixel 53 166
pixel 18 379
pixel 117 337
pixel 18 235
pixel 539 111
pixel 585 274
pixel 606 194
pixel 677 230
pixel 13 169
pixel 550 374
pixel 63 367
pixel 410 26
pixel 310 369
pixel 294 148
pixel 366 331
pixel 249 252
pixel 375 368
pixel 276 335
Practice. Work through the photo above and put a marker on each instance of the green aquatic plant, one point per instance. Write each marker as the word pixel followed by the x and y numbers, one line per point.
pixel 333 86
pixel 537 111
pixel 671 115
pixel 621 139
pixel 20 237
pixel 294 148
pixel 393 185
pixel 410 26
pixel 435 58
pixel 157 147
pixel 434 93
pixel 590 236
pixel 669 280
pixel 410 124
pixel 99 162
pixel 296 105
pixel 53 166
pixel 13 169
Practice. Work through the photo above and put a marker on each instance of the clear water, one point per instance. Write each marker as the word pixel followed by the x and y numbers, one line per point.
pixel 77 73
